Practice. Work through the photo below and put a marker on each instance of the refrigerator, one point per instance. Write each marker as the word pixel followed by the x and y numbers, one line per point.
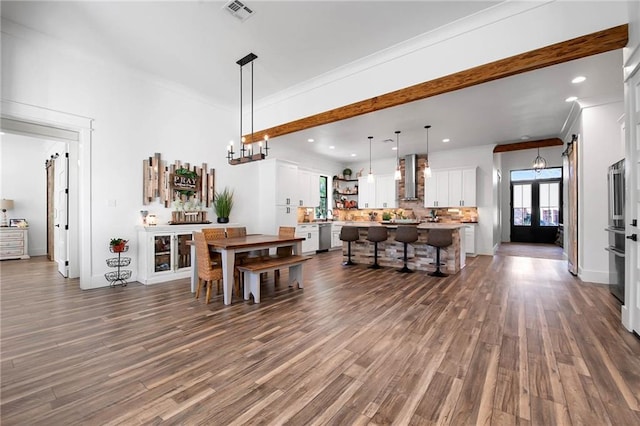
pixel 615 229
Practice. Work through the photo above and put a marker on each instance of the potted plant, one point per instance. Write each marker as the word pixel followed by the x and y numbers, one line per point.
pixel 347 173
pixel 118 245
pixel 222 204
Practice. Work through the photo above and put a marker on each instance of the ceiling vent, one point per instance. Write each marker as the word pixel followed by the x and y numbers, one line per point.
pixel 239 10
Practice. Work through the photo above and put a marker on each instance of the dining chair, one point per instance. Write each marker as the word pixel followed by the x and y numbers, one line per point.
pixel 239 231
pixel 207 273
pixel 241 258
pixel 214 234
pixel 285 232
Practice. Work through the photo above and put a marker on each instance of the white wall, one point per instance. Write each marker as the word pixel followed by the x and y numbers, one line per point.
pixel 520 160
pixel 23 179
pixel 601 145
pixel 498 179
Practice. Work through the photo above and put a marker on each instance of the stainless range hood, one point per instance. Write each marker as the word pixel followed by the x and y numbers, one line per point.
pixel 410 183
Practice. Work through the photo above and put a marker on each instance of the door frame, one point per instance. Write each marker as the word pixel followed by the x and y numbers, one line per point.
pixel 39 122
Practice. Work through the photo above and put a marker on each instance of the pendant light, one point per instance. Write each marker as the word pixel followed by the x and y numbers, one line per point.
pixel 427 168
pixel 539 163
pixel 398 174
pixel 370 178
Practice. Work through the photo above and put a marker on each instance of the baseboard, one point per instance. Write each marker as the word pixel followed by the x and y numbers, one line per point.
pixel 598 277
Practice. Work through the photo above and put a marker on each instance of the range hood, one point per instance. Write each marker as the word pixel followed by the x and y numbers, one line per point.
pixel 410 183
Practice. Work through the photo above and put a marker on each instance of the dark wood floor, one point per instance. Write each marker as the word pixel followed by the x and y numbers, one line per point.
pixel 509 340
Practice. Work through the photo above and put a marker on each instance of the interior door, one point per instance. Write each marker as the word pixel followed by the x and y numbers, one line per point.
pixel 535 212
pixel 51 178
pixel 61 213
pixel 632 290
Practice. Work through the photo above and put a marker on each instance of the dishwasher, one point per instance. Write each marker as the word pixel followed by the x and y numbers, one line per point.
pixel 325 236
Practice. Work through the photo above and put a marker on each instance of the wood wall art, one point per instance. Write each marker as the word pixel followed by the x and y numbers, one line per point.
pixel 176 181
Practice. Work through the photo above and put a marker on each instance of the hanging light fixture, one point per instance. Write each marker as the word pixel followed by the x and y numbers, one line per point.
pixel 539 163
pixel 247 154
pixel 370 178
pixel 427 167
pixel 398 174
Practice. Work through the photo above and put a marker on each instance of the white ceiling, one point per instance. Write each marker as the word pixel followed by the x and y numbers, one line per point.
pixel 196 44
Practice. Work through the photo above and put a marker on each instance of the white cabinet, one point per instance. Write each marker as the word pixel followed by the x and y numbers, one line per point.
pixel 311 235
pixel 470 239
pixel 163 252
pixel 437 189
pixel 385 192
pixel 277 194
pixel 366 193
pixel 451 188
pixel 379 194
pixel 308 188
pixel 462 187
pixel 335 235
pixel 14 243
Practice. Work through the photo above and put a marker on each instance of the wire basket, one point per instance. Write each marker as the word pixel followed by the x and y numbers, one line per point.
pixel 115 262
pixel 126 248
pixel 118 276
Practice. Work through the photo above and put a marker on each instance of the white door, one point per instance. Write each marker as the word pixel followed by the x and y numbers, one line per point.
pixel 61 213
pixel 631 316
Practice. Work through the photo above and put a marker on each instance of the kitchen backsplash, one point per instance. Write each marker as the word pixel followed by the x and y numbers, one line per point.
pixel 460 214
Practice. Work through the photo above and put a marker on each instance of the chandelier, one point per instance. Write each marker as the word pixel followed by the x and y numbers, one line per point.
pixel 247 154
pixel 539 163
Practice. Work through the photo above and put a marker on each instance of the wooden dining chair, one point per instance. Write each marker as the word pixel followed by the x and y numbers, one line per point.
pixel 207 273
pixel 239 231
pixel 285 232
pixel 241 258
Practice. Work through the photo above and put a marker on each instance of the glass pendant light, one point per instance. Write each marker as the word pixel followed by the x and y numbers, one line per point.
pixel 398 174
pixel 370 177
pixel 427 168
pixel 539 163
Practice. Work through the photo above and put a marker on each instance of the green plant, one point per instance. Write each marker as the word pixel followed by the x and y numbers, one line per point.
pixel 223 203
pixel 118 241
pixel 386 216
pixel 347 172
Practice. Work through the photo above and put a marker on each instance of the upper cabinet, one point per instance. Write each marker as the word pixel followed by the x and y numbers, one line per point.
pixel 286 182
pixel 379 194
pixel 308 188
pixel 451 188
pixel 436 189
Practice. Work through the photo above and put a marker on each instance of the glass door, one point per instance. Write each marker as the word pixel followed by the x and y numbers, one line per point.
pixel 183 251
pixel 162 252
pixel 536 200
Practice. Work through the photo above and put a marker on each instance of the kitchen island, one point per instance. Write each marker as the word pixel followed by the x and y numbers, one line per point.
pixel 421 256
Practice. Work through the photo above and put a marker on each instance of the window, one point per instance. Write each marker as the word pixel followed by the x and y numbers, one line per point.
pixel 549 204
pixel 321 210
pixel 522 204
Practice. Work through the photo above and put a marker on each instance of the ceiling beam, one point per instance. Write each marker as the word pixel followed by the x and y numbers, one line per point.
pixel 517 146
pixel 580 47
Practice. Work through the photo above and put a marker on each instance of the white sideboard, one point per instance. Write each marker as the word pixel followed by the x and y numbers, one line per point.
pixel 163 252
pixel 14 243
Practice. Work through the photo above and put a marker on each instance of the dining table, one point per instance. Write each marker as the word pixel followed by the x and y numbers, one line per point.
pixel 228 247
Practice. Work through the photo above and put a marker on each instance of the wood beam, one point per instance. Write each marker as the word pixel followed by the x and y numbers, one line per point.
pixel 518 146
pixel 580 47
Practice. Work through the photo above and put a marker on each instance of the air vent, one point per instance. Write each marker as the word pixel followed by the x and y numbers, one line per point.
pixel 239 10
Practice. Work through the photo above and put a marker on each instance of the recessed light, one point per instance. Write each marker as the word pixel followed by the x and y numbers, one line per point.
pixel 394 148
pixel 353 155
pixel 525 137
pixel 446 140
pixel 309 140
pixel 332 147
pixel 579 79
pixel 571 99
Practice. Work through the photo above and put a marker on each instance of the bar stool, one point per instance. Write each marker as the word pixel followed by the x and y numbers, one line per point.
pixel 349 234
pixel 406 234
pixel 376 235
pixel 439 238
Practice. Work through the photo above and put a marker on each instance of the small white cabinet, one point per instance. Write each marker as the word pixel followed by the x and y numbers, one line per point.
pixel 164 253
pixel 366 193
pixel 277 195
pixel 285 182
pixel 14 243
pixel 311 235
pixel 335 235
pixel 470 239
pixel 308 188
pixel 437 189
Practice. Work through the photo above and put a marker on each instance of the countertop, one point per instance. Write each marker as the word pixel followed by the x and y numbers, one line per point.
pixel 426 225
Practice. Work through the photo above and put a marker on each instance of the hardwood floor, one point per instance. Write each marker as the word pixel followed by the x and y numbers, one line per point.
pixel 543 251
pixel 509 340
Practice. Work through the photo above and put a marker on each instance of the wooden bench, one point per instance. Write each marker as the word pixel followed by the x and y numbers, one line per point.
pixel 253 270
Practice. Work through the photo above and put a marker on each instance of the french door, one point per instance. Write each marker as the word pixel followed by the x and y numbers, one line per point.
pixel 536 208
